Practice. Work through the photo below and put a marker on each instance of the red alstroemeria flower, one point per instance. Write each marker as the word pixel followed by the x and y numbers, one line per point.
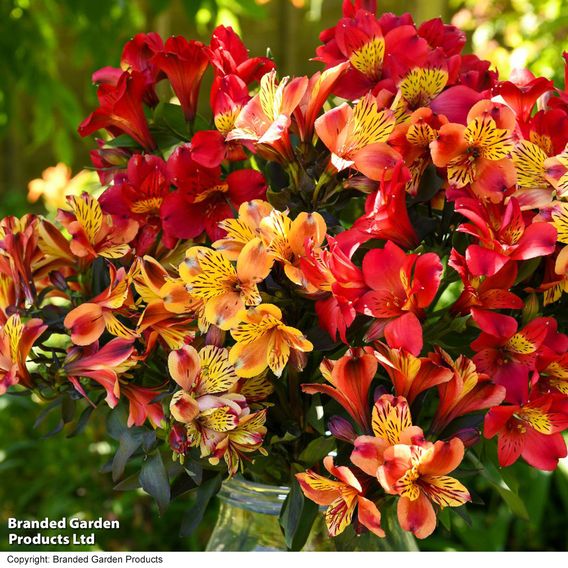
pixel 504 234
pixel 418 473
pixel 209 148
pixel 466 392
pixel 386 214
pixel 350 379
pixel 139 196
pixel 357 137
pixel 184 63
pixel 203 198
pixel 399 283
pixel 342 498
pixel 136 56
pixel 331 271
pixel 507 354
pixel 102 365
pixel 229 56
pixel 121 110
pixel 522 92
pixel 16 342
pixel 490 292
pixel 531 430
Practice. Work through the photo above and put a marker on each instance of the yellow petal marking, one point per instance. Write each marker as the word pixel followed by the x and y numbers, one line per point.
pixel 492 143
pixel 368 59
pixel 88 213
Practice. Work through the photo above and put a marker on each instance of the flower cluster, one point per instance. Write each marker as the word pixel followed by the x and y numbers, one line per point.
pixel 402 211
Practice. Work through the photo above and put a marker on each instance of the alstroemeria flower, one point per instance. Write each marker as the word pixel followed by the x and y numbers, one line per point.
pixel 121 110
pixel 16 342
pixel 386 214
pixel 476 155
pixel 357 137
pixel 142 407
pixel 507 354
pixel 264 340
pixel 247 437
pixel 342 497
pixel 94 233
pixel 466 392
pixel 229 56
pixel 399 283
pixel 504 234
pixel 531 430
pixel 184 63
pixel 226 289
pixel 88 321
pixel 265 120
pixel 103 365
pixel 203 198
pixel 489 292
pixel 418 474
pixel 350 377
pixel 136 56
pixel 331 271
pixel 410 375
pixel 391 424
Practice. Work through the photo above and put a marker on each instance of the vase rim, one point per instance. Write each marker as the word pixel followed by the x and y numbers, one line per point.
pixel 253 496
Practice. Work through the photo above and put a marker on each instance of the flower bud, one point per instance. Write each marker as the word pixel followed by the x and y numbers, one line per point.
pixel 298 359
pixel 215 336
pixel 469 436
pixel 58 280
pixel 531 308
pixel 341 429
pixel 178 439
pixel 183 407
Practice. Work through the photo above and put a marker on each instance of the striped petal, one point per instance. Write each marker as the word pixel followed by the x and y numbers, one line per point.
pixel 390 417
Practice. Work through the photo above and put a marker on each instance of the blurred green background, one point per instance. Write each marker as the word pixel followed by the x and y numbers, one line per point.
pixel 48 50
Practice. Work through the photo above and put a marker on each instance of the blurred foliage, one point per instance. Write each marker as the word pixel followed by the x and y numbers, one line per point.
pixel 59 477
pixel 517 33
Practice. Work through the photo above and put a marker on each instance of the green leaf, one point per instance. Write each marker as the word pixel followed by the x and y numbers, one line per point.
pixel 194 515
pixel 130 440
pixel 122 141
pixel 154 480
pixel 316 450
pixel 297 517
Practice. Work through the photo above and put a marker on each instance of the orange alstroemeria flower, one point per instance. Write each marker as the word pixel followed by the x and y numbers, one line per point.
pixel 477 154
pixel 16 341
pixel 88 321
pixel 350 379
pixel 392 424
pixel 95 233
pixel 342 497
pixel 409 374
pixel 357 137
pixel 283 237
pixel 263 340
pixel 418 474
pixel 226 289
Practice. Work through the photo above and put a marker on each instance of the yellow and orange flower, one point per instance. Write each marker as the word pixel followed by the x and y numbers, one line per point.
pixel 263 340
pixel 88 321
pixel 16 342
pixel 342 497
pixel 95 233
pixel 226 289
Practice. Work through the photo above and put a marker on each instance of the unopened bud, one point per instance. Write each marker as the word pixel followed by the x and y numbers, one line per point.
pixel 469 436
pixel 298 359
pixel 531 308
pixel 58 280
pixel 215 336
pixel 341 429
pixel 361 183
pixel 178 440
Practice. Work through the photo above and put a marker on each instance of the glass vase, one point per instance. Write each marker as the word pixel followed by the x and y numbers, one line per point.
pixel 248 521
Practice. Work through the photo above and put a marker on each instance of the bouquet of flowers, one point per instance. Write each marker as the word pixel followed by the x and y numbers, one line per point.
pixel 345 282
